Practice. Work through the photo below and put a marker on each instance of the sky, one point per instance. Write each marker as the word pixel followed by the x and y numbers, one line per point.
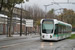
pixel 41 4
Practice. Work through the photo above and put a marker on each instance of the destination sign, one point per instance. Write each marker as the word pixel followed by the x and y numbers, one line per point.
pixel 48 22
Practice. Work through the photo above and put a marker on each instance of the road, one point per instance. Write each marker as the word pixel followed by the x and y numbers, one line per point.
pixel 36 44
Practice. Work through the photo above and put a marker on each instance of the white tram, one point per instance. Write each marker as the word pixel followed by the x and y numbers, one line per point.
pixel 54 29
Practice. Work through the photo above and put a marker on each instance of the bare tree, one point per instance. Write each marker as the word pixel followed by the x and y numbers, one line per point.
pixel 35 12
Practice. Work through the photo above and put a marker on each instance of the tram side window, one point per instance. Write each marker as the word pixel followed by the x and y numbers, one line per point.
pixel 68 29
pixel 56 29
pixel 59 29
pixel 64 29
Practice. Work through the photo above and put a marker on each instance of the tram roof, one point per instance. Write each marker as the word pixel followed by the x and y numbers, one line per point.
pixel 58 22
pixel 61 23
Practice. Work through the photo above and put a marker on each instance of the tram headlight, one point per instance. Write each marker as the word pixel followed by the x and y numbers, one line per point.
pixel 50 36
pixel 43 36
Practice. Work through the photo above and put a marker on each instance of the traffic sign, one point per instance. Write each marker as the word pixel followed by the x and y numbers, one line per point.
pixel 29 22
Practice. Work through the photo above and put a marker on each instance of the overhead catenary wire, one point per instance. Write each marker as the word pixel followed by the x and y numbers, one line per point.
pixel 57 4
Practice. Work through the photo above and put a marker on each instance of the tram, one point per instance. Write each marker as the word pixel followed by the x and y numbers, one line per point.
pixel 53 29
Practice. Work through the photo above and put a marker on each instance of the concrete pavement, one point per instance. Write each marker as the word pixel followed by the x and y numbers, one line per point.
pixel 36 44
pixel 15 37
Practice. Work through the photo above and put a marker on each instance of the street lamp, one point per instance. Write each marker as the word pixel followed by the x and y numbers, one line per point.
pixel 1 4
pixel 21 20
pixel 46 9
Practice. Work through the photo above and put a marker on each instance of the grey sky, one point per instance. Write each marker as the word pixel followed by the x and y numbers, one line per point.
pixel 41 4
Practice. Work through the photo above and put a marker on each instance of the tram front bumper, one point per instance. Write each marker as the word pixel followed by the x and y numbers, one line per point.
pixel 48 38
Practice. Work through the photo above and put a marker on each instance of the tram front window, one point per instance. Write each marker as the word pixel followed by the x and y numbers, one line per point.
pixel 47 27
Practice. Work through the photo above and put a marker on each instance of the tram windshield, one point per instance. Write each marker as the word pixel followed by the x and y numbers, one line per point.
pixel 47 27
